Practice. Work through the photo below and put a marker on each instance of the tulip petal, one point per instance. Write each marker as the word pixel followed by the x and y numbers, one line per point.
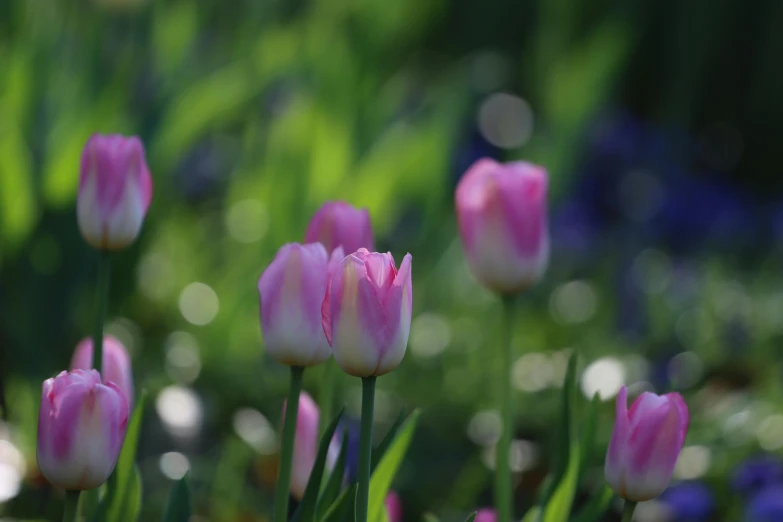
pixel 398 307
pixel 291 292
pixel 682 409
pixel 357 318
pixel 614 467
pixel 654 446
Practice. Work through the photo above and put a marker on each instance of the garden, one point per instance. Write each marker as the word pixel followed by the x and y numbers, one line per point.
pixel 443 261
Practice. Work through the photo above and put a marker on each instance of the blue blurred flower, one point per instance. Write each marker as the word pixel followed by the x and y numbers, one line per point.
pixel 767 506
pixel 353 429
pixel 757 473
pixel 689 502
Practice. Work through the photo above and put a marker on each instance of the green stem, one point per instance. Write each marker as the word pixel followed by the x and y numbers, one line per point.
pixel 328 388
pixel 365 448
pixel 71 505
pixel 503 502
pixel 287 449
pixel 101 302
pixel 628 510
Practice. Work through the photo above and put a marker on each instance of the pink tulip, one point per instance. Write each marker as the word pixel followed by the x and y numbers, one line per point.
pixel 115 190
pixel 393 507
pixel 81 428
pixel 338 224
pixel 645 444
pixel 116 364
pixel 292 289
pixel 502 216
pixel 486 515
pixel 306 443
pixel 367 312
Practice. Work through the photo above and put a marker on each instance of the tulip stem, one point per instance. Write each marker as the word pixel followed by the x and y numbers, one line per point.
pixel 71 505
pixel 287 449
pixel 503 502
pixel 328 388
pixel 101 303
pixel 365 448
pixel 628 511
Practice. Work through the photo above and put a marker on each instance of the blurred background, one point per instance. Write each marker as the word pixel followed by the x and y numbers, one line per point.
pixel 659 122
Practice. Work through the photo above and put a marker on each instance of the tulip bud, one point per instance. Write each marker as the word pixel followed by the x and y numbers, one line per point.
pixel 645 444
pixel 486 515
pixel 393 507
pixel 338 224
pixel 291 291
pixel 116 364
pixel 115 190
pixel 502 216
pixel 306 443
pixel 81 428
pixel 367 312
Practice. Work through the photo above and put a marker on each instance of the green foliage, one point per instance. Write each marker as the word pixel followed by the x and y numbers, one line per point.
pixel 332 488
pixel 558 507
pixel 342 509
pixel 306 512
pixel 387 467
pixel 178 505
pixel 122 500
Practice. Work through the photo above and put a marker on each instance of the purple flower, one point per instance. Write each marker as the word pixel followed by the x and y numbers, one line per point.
pixel 689 502
pixel 767 506
pixel 757 473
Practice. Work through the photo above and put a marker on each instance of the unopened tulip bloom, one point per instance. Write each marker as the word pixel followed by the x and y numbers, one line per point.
pixel 116 364
pixel 393 507
pixel 367 312
pixel 645 444
pixel 292 290
pixel 306 445
pixel 338 224
pixel 81 428
pixel 486 515
pixel 502 216
pixel 115 190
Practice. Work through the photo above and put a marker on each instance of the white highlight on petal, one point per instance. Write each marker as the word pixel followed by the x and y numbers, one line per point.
pixel 198 303
pixel 124 223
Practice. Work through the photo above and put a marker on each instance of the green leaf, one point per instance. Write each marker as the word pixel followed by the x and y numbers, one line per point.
pixel 533 515
pixel 306 510
pixel 596 507
pixel 342 509
pixel 384 473
pixel 588 431
pixel 178 508
pixel 117 505
pixel 558 508
pixel 380 451
pixel 471 517
pixel 430 517
pixel 335 482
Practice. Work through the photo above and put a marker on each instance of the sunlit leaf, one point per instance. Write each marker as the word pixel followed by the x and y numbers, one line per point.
pixel 382 477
